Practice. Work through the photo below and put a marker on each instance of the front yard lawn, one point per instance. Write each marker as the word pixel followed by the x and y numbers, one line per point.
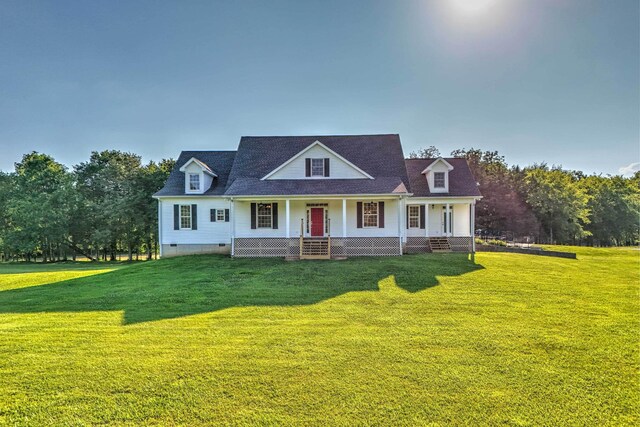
pixel 507 339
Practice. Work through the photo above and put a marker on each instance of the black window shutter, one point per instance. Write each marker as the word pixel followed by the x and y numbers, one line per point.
pixel 380 214
pixel 194 217
pixel 326 167
pixel 275 216
pixel 407 216
pixel 213 215
pixel 176 217
pixel 359 214
pixel 253 216
pixel 423 215
pixel 307 167
pixel 226 215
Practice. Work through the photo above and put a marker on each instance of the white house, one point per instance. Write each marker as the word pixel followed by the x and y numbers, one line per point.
pixel 316 197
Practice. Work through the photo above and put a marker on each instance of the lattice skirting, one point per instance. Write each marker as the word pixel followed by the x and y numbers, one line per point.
pixel 267 247
pixel 417 245
pixel 461 244
pixel 340 246
pixel 365 246
pixel 421 244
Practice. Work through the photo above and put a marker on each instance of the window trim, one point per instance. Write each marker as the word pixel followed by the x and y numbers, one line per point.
pixel 417 217
pixel 444 180
pixel 189 182
pixel 321 160
pixel 258 215
pixel 364 215
pixel 218 218
pixel 190 217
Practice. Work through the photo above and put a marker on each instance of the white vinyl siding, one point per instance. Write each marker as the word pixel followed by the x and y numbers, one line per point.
pixel 208 232
pixel 242 211
pixel 439 171
pixel 297 168
pixel 461 217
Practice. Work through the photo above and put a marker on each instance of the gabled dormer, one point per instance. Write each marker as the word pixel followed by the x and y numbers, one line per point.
pixel 317 161
pixel 197 176
pixel 437 175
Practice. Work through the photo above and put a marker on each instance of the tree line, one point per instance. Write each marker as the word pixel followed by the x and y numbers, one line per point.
pixel 103 207
pixel 550 204
pixel 97 209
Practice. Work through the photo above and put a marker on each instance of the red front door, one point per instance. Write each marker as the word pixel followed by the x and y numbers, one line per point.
pixel 317 222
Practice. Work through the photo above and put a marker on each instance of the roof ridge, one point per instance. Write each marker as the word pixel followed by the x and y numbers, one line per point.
pixel 434 158
pixel 319 136
pixel 209 151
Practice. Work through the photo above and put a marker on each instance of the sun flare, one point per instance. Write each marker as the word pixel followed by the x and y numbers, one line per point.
pixel 471 7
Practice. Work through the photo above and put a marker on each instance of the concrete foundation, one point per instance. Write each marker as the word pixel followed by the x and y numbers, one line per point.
pixel 193 249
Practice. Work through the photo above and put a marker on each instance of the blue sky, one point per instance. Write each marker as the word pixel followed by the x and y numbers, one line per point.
pixel 538 80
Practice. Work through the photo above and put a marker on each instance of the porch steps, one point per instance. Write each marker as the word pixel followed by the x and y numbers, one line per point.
pixel 315 248
pixel 439 244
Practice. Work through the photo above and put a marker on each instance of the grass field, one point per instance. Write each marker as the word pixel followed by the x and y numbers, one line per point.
pixel 507 339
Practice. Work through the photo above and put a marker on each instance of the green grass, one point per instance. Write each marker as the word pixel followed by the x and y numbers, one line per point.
pixel 424 339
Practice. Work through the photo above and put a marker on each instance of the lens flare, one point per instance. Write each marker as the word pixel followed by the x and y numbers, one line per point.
pixel 471 7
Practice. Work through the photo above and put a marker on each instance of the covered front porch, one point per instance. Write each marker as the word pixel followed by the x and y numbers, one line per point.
pixel 440 225
pixel 324 226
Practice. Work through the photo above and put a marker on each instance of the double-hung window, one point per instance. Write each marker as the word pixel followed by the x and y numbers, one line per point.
pixel 265 215
pixel 220 215
pixel 438 179
pixel 194 182
pixel 185 217
pixel 414 216
pixel 317 167
pixel 370 214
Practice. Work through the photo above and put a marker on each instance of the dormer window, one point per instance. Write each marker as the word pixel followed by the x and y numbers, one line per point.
pixel 437 175
pixel 198 177
pixel 194 182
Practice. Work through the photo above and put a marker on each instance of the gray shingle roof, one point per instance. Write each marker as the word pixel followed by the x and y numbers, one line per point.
pixel 378 155
pixel 461 181
pixel 220 163
pixel 256 187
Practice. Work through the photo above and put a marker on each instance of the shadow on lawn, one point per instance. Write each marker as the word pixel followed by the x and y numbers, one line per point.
pixel 177 287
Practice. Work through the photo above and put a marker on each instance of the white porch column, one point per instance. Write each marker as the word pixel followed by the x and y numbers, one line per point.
pixel 472 222
pixel 232 212
pixel 400 228
pixel 160 225
pixel 447 220
pixel 288 217
pixel 426 220
pixel 344 217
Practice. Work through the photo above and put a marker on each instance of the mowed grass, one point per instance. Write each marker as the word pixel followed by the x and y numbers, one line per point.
pixel 422 339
